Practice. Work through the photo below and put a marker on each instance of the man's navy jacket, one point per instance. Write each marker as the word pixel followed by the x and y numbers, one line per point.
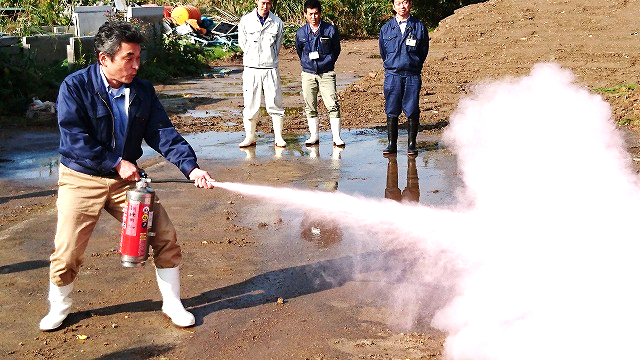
pixel 326 43
pixel 86 123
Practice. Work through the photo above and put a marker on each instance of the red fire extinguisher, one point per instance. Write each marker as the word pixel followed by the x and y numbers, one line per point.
pixel 137 220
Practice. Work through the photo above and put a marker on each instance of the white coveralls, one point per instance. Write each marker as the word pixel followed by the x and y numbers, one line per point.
pixel 261 45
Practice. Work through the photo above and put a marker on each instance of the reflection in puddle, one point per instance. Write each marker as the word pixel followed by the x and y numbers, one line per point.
pixel 411 192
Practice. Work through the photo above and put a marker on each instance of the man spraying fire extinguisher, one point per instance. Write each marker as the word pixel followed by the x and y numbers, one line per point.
pixel 104 113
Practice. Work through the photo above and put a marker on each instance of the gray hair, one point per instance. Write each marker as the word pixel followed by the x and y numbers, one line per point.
pixel 113 33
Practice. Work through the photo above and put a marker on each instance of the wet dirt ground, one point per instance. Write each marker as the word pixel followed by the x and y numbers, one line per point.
pixel 240 256
pixel 267 282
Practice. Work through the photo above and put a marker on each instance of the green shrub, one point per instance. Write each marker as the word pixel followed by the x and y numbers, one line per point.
pixel 38 14
pixel 354 18
pixel 177 58
pixel 22 80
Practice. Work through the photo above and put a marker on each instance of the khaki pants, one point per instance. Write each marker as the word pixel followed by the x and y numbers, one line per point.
pixel 325 84
pixel 81 198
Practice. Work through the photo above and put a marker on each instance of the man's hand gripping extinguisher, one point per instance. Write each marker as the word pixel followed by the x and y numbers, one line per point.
pixel 137 220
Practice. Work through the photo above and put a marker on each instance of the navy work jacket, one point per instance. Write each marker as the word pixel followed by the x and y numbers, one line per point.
pixel 326 43
pixel 399 57
pixel 86 123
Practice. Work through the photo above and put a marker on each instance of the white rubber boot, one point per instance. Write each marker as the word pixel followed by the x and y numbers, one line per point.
pixel 278 124
pixel 250 133
pixel 60 304
pixel 314 127
pixel 335 131
pixel 169 284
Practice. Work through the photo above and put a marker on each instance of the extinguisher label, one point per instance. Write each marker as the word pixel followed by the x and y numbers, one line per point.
pixel 145 217
pixel 132 218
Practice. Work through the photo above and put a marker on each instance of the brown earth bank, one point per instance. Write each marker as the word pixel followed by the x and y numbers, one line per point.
pixel 236 268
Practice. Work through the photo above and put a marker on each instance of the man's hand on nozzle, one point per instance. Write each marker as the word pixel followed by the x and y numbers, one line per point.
pixel 201 178
pixel 127 170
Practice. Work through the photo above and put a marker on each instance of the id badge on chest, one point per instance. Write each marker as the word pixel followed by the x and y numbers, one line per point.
pixel 411 42
pixel 314 55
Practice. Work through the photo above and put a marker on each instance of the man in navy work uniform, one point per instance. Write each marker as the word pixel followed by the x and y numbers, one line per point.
pixel 318 47
pixel 104 114
pixel 404 44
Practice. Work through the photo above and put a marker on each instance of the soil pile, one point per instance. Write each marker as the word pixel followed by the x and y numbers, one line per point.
pixel 597 40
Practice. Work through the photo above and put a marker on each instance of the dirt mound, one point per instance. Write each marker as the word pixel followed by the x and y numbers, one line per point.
pixel 598 40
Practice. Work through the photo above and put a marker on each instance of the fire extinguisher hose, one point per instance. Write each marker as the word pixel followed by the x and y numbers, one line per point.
pixel 172 181
pixel 143 174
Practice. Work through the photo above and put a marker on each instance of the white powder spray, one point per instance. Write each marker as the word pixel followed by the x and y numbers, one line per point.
pixel 554 234
pixel 539 261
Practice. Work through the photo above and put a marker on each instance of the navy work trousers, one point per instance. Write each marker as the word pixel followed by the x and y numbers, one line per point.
pixel 402 94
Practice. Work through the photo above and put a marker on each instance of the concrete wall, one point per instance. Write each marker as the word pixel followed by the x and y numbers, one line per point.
pixel 80 50
pixel 47 49
pixel 87 19
pixel 10 45
pixel 55 48
pixel 50 49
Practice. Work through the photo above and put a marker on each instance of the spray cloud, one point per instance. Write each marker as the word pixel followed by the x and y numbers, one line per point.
pixel 553 219
pixel 538 261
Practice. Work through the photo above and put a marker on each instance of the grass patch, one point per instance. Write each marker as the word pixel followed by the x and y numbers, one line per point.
pixel 629 122
pixel 620 88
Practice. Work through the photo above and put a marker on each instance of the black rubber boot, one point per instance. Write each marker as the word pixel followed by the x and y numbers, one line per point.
pixel 392 133
pixel 414 126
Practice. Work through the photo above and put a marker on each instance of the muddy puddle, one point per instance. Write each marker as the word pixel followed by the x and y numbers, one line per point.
pixel 358 169
pixel 29 155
